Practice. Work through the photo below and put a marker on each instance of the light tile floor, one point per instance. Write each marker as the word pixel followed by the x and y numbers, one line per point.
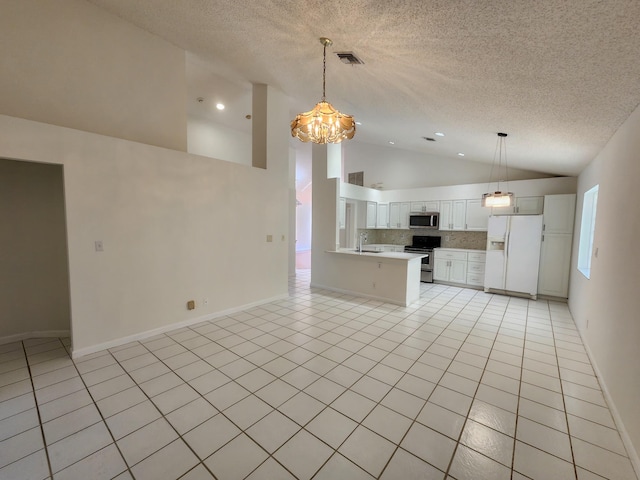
pixel 461 385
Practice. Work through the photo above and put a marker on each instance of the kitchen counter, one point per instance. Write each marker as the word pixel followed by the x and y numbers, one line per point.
pixel 392 277
pixel 378 254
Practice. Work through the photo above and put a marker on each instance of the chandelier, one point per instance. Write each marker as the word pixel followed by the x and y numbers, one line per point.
pixel 499 198
pixel 323 124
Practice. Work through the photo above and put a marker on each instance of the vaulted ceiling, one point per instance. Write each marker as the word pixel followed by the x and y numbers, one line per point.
pixel 559 76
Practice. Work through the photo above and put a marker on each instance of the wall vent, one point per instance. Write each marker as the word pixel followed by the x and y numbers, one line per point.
pixel 356 178
pixel 349 58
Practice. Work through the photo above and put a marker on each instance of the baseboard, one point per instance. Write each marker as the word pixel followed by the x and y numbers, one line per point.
pixel 358 294
pixel 18 337
pixel 626 439
pixel 77 353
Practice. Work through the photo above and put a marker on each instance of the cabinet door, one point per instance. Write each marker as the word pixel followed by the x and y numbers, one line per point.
pixel 559 211
pixel 418 207
pixel 529 205
pixel 383 215
pixel 342 216
pixel 446 209
pixel 432 206
pixel 404 215
pixel 555 264
pixel 458 271
pixel 371 215
pixel 441 269
pixel 394 215
pixel 458 216
pixel 477 216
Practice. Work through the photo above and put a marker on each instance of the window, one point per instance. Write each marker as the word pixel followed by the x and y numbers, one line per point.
pixel 587 230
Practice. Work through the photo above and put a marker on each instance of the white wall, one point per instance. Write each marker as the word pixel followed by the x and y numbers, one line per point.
pixel 175 227
pixel 400 169
pixel 70 63
pixel 606 307
pixel 214 140
pixel 34 274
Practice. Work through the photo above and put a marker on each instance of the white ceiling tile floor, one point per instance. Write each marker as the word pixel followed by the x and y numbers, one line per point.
pixel 460 385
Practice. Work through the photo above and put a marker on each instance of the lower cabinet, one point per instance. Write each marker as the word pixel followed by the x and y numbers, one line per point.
pixel 450 266
pixel 465 267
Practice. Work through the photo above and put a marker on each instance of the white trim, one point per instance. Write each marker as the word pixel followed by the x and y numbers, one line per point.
pixel 167 328
pixel 18 337
pixel 626 439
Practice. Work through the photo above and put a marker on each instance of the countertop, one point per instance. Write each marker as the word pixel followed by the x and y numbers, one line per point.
pixel 374 255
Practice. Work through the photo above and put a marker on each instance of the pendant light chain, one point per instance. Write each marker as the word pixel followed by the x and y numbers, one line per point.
pixel 324 70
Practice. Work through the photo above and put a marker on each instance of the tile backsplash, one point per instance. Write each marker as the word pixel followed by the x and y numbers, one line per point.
pixel 453 239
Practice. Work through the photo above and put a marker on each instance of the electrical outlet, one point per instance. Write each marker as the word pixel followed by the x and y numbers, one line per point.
pixel 269 238
pixel 374 284
pixel 99 246
pixel 282 237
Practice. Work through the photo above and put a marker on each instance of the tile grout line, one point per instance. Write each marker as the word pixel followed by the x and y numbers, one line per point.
pixel 35 400
pixel 464 424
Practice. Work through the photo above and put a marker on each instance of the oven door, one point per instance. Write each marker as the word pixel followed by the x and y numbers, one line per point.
pixel 426 269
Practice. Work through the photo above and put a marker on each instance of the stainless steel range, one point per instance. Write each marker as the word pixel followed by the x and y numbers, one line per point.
pixel 425 245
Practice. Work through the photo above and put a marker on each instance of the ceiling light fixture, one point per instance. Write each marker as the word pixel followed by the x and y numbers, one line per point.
pixel 323 124
pixel 439 134
pixel 460 154
pixel 499 198
pixel 220 106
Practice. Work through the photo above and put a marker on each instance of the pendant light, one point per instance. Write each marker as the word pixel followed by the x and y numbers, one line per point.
pixel 499 198
pixel 323 124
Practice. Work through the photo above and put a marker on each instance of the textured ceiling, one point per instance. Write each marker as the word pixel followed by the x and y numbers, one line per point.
pixel 559 76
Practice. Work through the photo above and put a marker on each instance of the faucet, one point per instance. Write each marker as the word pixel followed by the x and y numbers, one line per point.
pixel 362 238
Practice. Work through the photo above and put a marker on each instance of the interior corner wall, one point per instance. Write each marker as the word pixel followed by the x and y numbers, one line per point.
pixel 395 168
pixel 214 140
pixel 34 272
pixel 605 307
pixel 71 63
pixel 174 226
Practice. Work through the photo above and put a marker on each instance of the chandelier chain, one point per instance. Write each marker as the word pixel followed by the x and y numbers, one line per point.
pixel 324 70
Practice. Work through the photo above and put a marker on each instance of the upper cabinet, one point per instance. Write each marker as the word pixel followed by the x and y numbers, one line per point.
pixel 399 214
pixel 371 218
pixel 477 216
pixel 559 211
pixel 382 220
pixel 521 206
pixel 453 214
pixel 422 207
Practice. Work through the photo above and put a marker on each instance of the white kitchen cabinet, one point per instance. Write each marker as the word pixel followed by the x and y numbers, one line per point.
pixel 559 211
pixel 382 220
pixel 453 214
pixel 427 206
pixel 557 240
pixel 555 265
pixel 450 266
pixel 371 218
pixel 464 267
pixel 521 206
pixel 342 213
pixel 399 215
pixel 477 216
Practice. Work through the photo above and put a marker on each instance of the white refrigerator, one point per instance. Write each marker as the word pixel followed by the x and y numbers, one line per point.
pixel 513 254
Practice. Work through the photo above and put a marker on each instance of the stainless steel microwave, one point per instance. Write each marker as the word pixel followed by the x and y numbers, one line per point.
pixel 423 220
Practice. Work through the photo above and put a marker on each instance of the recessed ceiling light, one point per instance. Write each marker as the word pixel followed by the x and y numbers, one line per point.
pixel 358 123
pixel 220 106
pixel 391 142
pixel 460 154
pixel 439 134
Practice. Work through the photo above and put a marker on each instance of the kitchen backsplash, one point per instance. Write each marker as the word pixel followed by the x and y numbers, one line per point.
pixel 470 240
